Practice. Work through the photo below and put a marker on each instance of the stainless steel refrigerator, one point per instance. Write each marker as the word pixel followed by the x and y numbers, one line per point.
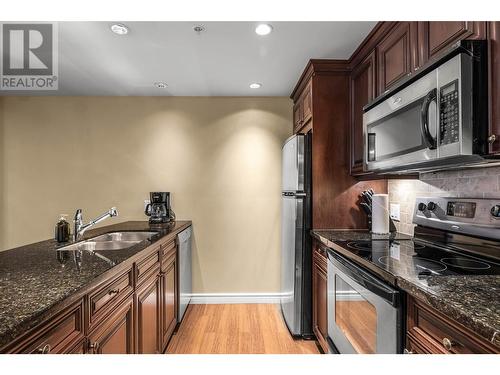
pixel 296 255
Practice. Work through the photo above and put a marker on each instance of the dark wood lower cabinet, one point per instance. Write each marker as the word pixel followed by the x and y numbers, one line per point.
pixel 116 334
pixel 320 290
pixel 169 299
pixel 431 332
pixel 148 317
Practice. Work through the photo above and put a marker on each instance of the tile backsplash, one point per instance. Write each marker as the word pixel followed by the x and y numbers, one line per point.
pixel 471 183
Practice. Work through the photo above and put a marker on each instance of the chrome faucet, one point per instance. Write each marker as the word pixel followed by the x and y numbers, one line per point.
pixel 80 228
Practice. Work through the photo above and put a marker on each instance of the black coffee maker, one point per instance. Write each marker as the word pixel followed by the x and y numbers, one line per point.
pixel 159 210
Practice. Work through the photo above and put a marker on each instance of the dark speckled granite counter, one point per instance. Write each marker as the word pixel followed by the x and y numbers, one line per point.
pixel 35 282
pixel 473 300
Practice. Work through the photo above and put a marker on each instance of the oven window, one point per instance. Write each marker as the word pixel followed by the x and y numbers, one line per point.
pixel 356 317
pixel 399 133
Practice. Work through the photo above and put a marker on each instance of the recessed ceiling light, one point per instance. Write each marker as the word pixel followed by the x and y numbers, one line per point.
pixel 160 85
pixel 255 85
pixel 199 28
pixel 119 29
pixel 263 29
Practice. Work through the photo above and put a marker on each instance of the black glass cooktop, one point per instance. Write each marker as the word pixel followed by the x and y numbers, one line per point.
pixel 411 257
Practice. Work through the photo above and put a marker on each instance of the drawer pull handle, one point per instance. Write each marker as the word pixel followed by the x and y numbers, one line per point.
pixel 44 349
pixel 94 347
pixel 406 351
pixel 114 291
pixel 492 138
pixel 448 344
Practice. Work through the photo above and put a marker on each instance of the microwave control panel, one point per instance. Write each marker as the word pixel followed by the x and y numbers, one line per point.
pixel 449 113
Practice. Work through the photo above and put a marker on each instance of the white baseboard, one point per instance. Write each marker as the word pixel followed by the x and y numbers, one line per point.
pixel 227 298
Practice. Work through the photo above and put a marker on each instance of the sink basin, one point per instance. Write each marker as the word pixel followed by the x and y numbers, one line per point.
pixel 123 236
pixel 110 241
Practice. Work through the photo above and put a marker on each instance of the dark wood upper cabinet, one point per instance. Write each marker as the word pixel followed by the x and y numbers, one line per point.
pixel 148 317
pixel 320 293
pixel 437 36
pixel 494 85
pixel 302 110
pixel 363 90
pixel 116 335
pixel 397 55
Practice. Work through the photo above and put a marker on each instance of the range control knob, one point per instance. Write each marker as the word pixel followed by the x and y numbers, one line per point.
pixel 495 211
pixel 422 206
pixel 431 206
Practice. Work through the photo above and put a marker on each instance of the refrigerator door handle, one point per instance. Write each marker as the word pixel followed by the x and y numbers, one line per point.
pixel 296 194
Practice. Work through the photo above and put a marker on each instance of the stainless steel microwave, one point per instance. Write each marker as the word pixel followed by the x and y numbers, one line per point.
pixel 433 120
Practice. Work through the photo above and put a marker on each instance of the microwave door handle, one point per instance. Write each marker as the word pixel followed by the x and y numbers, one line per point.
pixel 429 140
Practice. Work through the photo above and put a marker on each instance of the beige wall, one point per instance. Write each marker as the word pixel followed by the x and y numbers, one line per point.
pixel 220 158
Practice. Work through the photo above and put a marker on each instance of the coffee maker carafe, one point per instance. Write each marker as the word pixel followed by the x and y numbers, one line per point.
pixel 159 210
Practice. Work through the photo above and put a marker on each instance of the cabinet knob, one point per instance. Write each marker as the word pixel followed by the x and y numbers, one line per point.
pixel 94 347
pixel 44 349
pixel 447 343
pixel 406 351
pixel 492 138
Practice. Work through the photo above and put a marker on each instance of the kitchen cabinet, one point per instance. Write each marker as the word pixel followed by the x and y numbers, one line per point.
pixel 363 90
pixel 133 310
pixel 431 332
pixel 437 36
pixel 397 55
pixel 61 334
pixel 319 292
pixel 116 334
pixel 148 316
pixel 494 86
pixel 169 293
pixel 302 110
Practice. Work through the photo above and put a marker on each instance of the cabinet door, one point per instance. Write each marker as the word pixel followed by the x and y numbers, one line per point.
pixel 397 55
pixel 494 80
pixel 307 104
pixel 437 36
pixel 169 299
pixel 148 317
pixel 320 308
pixel 297 116
pixel 116 335
pixel 362 91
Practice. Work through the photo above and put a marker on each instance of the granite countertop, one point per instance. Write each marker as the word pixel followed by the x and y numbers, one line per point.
pixel 36 279
pixel 471 300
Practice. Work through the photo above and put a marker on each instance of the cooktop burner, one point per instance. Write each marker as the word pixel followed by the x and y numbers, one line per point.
pixel 421 265
pixel 369 245
pixel 466 263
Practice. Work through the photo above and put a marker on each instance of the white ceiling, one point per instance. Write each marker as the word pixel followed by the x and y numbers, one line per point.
pixel 222 61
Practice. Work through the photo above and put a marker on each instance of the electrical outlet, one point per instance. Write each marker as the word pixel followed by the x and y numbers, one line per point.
pixel 395 211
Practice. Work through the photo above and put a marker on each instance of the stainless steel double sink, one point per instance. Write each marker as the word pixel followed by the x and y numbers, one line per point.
pixel 110 241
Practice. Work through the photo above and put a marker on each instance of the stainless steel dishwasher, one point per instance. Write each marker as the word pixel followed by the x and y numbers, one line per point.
pixel 185 286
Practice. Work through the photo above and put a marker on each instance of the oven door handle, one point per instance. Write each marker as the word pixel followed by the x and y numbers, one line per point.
pixel 361 277
pixel 429 140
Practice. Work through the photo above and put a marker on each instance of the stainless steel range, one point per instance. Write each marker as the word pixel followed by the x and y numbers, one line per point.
pixel 454 236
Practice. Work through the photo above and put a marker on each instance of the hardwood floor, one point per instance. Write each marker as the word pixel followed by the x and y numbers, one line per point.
pixel 236 329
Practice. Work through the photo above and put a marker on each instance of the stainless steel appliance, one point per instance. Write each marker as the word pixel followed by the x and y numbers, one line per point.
pixel 435 119
pixel 453 236
pixel 296 256
pixel 185 273
pixel 158 209
pixel 364 313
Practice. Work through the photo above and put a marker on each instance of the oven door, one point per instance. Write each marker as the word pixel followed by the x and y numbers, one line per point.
pixel 364 314
pixel 403 129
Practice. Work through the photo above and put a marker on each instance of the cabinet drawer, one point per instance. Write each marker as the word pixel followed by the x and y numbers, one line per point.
pixel 59 335
pixel 109 296
pixel 436 333
pixel 148 266
pixel 168 251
